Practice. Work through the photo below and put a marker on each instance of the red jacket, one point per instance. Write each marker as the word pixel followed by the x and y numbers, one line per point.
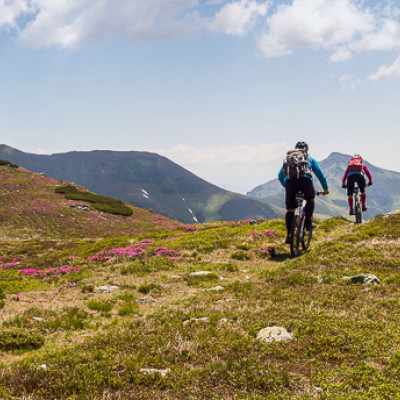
pixel 364 170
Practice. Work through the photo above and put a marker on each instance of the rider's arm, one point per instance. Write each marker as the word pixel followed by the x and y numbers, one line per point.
pixel 318 172
pixel 368 173
pixel 281 177
pixel 344 180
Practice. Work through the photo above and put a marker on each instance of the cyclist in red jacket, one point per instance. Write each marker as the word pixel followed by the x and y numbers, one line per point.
pixel 355 172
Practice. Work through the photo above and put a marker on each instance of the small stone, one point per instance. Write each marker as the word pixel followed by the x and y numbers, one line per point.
pixel 364 279
pixel 106 289
pixel 200 273
pixel 154 371
pixel 215 289
pixel 39 319
pixel 274 334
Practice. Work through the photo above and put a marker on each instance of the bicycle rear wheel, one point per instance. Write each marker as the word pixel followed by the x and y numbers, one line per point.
pixel 306 239
pixel 295 236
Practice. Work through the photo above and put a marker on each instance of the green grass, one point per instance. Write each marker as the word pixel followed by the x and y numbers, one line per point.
pixel 346 336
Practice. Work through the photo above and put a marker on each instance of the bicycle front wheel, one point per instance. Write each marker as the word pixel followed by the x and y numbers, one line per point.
pixel 295 236
pixel 358 212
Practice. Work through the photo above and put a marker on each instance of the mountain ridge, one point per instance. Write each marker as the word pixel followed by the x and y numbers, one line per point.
pixel 146 180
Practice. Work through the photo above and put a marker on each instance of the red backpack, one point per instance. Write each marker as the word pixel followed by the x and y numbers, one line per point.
pixel 355 164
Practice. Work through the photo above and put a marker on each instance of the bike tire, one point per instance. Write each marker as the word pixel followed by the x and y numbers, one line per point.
pixel 295 237
pixel 306 239
pixel 358 212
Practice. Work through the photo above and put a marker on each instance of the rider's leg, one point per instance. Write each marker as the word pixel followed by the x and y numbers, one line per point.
pixel 350 201
pixel 363 200
pixel 291 204
pixel 307 188
pixel 361 184
pixel 309 210
pixel 350 190
pixel 289 219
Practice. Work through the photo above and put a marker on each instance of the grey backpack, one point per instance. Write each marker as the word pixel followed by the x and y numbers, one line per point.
pixel 295 164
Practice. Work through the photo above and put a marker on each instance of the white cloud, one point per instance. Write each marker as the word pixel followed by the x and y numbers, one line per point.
pixel 238 17
pixel 219 156
pixel 344 27
pixel 10 11
pixel 387 71
pixel 72 23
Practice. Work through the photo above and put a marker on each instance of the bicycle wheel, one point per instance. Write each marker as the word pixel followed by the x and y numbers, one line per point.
pixel 306 238
pixel 295 237
pixel 358 211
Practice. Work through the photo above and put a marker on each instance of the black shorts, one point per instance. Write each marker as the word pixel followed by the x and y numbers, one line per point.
pixel 351 180
pixel 293 186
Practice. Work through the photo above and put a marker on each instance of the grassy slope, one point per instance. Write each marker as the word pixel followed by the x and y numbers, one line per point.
pixel 30 208
pixel 346 343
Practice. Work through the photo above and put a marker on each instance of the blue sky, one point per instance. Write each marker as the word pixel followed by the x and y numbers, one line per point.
pixel 220 87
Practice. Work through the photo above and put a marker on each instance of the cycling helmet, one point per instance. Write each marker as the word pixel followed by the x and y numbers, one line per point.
pixel 302 146
pixel 357 156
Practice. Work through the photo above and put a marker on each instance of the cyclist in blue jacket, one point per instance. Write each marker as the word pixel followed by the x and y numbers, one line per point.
pixel 305 185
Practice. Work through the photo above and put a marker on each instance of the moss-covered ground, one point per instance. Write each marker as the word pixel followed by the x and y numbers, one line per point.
pixel 93 319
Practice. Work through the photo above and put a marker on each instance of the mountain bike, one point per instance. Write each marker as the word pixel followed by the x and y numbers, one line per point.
pixel 298 232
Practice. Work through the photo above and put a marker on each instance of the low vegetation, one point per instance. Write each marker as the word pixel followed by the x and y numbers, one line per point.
pixel 175 313
pixel 98 202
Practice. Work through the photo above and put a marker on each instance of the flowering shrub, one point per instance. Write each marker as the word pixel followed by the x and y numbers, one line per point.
pixel 164 252
pixel 12 263
pixel 51 273
pixel 268 251
pixel 257 235
pixel 128 252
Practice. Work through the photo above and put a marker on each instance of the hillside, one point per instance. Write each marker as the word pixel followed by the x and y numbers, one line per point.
pixel 145 180
pixel 30 208
pixel 382 198
pixel 179 314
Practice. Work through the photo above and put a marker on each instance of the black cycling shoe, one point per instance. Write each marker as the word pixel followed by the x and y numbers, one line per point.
pixel 364 209
pixel 311 226
pixel 351 212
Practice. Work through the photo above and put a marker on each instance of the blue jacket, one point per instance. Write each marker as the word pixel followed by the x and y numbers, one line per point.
pixel 312 166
